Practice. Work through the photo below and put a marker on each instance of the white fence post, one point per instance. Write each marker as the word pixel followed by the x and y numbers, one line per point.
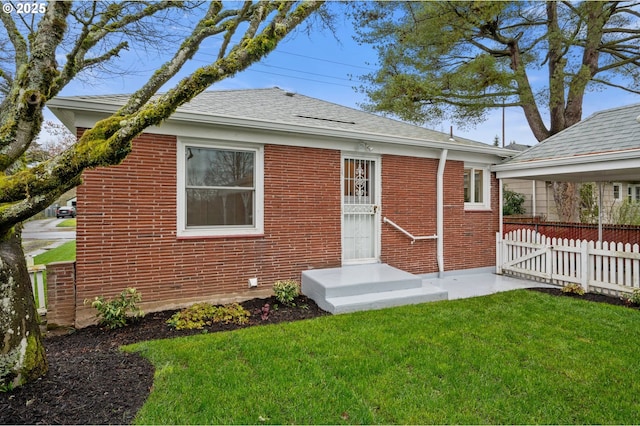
pixel 498 253
pixel 585 265
pixel 38 286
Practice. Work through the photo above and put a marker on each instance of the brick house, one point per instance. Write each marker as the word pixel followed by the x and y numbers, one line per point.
pixel 267 184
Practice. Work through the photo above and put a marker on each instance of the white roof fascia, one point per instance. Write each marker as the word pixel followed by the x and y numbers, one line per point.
pixel 587 168
pixel 337 133
pixel 61 106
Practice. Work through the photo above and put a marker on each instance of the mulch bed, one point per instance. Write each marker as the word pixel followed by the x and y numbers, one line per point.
pixel 592 297
pixel 91 382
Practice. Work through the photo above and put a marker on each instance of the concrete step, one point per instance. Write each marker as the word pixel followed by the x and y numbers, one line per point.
pixel 357 279
pixel 363 287
pixel 386 299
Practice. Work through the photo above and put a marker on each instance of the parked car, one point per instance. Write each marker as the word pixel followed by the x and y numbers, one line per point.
pixel 64 211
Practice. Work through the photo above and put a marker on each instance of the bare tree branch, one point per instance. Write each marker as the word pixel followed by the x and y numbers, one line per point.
pixel 113 135
pixel 17 40
pixel 93 33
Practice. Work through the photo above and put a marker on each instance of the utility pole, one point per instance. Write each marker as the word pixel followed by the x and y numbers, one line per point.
pixel 503 124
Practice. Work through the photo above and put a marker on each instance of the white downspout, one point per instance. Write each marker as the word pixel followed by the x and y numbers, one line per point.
pixel 440 212
pixel 534 201
pixel 500 207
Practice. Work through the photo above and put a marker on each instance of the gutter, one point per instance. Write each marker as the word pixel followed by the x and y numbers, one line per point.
pixel 440 212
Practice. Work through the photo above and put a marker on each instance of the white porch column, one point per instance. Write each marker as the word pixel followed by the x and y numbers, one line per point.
pixel 600 194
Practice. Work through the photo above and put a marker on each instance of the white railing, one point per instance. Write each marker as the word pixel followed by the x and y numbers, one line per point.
pixel 606 266
pixel 37 273
pixel 405 232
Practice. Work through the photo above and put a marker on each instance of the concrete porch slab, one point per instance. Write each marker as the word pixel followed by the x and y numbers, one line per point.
pixel 363 287
pixel 376 286
pixel 462 284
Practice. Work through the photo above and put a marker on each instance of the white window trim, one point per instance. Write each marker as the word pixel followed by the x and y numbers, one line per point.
pixel 633 193
pixel 486 187
pixel 620 191
pixel 219 231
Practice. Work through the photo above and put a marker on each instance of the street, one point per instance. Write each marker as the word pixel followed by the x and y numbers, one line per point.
pixel 46 229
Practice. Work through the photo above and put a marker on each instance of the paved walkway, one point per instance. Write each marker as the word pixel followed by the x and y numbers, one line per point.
pixel 480 284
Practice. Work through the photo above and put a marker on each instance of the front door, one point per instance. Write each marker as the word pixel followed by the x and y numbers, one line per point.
pixel 360 210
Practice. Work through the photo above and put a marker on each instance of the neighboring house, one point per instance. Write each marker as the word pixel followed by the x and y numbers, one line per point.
pixel 539 202
pixel 603 149
pixel 267 184
pixel 539 199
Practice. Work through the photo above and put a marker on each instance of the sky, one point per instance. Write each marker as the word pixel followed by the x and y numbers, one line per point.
pixel 326 66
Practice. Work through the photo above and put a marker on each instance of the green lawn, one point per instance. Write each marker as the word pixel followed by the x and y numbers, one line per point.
pixel 65 252
pixel 67 223
pixel 518 357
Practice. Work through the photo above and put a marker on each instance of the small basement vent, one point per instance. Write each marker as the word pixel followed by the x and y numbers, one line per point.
pixel 325 119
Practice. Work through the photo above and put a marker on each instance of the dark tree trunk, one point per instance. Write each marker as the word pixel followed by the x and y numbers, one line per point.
pixel 22 354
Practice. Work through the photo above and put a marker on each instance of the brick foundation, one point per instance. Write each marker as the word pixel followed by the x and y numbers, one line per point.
pixel 61 294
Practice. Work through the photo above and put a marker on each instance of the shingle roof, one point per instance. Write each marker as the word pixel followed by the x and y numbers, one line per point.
pixel 613 130
pixel 274 105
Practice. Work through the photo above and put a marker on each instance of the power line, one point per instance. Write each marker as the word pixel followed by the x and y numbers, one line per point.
pixel 323 60
pixel 289 76
pixel 299 78
pixel 304 72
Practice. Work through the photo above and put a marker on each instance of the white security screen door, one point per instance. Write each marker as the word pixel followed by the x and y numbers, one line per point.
pixel 359 210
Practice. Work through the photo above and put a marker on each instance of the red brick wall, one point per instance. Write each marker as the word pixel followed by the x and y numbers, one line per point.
pixel 61 294
pixel 469 236
pixel 126 231
pixel 411 206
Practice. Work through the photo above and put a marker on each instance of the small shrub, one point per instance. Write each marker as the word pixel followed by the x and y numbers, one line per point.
pixel 194 317
pixel 115 313
pixel 286 291
pixel 203 314
pixel 633 298
pixel 573 289
pixel 264 312
pixel 231 314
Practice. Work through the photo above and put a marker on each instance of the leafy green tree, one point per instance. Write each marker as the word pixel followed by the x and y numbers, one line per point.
pixel 43 52
pixel 512 202
pixel 459 60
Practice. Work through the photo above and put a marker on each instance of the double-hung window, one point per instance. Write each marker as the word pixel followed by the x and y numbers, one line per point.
pixel 477 188
pixel 633 192
pixel 617 192
pixel 219 190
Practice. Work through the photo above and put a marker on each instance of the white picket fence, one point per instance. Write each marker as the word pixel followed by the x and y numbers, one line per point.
pixel 37 273
pixel 602 266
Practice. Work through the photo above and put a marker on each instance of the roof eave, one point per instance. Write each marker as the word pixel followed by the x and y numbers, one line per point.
pixel 60 105
pixel 611 166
